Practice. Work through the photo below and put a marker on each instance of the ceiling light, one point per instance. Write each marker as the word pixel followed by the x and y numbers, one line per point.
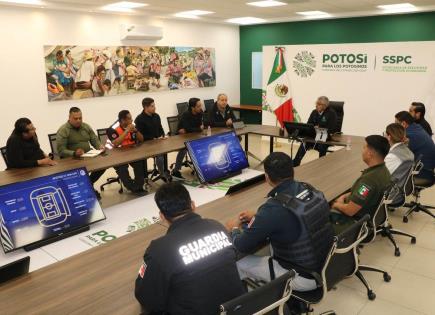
pixel 266 3
pixel 31 2
pixel 192 14
pixel 123 6
pixel 246 20
pixel 398 7
pixel 314 14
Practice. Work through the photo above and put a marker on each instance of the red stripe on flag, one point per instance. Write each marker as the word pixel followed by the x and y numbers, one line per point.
pixel 285 112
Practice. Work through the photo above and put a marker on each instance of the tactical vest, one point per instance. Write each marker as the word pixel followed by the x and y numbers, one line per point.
pixel 314 243
pixel 129 139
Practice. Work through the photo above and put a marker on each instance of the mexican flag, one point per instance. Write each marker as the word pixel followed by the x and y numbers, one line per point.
pixel 277 97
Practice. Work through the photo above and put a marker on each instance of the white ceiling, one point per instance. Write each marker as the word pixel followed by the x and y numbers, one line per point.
pixel 226 9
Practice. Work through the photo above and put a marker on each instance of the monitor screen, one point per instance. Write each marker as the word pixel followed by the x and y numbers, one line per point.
pixel 45 207
pixel 217 157
pixel 300 130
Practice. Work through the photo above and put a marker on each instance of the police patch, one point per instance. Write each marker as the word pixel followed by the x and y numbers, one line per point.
pixel 113 136
pixel 142 269
pixel 363 191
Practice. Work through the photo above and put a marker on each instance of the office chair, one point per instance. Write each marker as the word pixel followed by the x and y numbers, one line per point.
pixel 182 107
pixel 53 145
pixel 14 269
pixel 338 107
pixel 173 130
pixel 379 222
pixel 102 136
pixel 419 185
pixel 4 155
pixel 270 298
pixel 208 104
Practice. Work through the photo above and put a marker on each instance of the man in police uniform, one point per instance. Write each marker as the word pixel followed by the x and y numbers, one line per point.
pixel 221 114
pixel 322 117
pixel 292 240
pixel 367 191
pixel 192 269
pixel 123 135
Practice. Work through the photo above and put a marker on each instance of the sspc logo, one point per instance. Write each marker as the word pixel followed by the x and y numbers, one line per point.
pixel 397 60
pixel 304 64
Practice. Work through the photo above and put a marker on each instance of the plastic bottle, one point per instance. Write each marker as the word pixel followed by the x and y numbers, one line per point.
pixel 348 143
pixel 209 131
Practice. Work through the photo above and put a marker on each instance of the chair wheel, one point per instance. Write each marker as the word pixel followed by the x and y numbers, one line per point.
pixel 371 295
pixel 387 277
pixel 405 219
pixel 397 252
pixel 121 191
pixel 413 240
pixel 102 188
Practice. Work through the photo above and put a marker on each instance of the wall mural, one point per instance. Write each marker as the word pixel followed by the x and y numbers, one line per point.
pixel 75 72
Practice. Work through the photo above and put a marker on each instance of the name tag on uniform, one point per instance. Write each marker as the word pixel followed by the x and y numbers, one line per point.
pixel 321 134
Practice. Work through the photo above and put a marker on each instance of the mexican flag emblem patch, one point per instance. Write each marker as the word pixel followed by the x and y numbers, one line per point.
pixel 363 191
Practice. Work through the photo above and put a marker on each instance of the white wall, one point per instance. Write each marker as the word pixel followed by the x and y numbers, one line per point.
pixel 24 32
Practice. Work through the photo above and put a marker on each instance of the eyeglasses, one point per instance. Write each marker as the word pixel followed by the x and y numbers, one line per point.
pixel 30 129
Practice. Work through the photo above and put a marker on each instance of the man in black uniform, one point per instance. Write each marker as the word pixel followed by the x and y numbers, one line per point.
pixel 322 117
pixel 221 114
pixel 417 111
pixel 296 239
pixel 190 121
pixel 192 269
pixel 22 147
pixel 148 123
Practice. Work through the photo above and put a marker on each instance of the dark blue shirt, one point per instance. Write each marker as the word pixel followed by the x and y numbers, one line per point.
pixel 421 144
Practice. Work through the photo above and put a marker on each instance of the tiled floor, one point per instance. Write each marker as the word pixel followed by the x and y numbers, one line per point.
pixel 412 288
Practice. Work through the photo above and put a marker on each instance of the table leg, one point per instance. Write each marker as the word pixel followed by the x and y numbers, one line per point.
pixel 271 144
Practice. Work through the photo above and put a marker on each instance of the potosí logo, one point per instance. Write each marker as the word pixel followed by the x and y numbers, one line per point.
pixel 345 61
pixel 203 247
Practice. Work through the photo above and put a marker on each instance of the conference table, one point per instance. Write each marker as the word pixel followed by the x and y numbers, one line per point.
pixel 101 280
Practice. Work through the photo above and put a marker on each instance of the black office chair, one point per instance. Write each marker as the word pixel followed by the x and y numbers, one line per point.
pixel 403 185
pixel 53 145
pixel 418 185
pixel 379 222
pixel 5 157
pixel 182 107
pixel 14 269
pixel 102 136
pixel 270 298
pixel 208 104
pixel 173 130
pixel 338 107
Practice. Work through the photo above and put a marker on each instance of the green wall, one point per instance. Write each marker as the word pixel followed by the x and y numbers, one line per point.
pixel 392 28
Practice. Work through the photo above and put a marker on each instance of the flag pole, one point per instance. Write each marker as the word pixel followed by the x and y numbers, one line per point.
pixel 276 144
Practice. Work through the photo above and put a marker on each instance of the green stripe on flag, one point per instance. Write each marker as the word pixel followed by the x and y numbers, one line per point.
pixel 276 70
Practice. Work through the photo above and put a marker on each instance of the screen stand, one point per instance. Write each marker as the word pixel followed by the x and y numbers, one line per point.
pixel 36 245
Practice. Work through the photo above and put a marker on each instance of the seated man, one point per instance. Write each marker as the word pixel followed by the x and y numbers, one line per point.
pixel 294 240
pixel 417 111
pixel 190 121
pixel 422 145
pixel 323 117
pixel 399 151
pixel 192 269
pixel 73 140
pixel 22 147
pixel 221 115
pixel 367 191
pixel 124 135
pixel 148 123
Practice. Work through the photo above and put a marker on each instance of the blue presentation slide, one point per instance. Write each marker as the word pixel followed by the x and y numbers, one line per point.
pixel 217 156
pixel 47 206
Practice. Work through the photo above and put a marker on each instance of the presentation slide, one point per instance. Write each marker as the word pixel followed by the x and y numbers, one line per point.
pixel 45 207
pixel 217 156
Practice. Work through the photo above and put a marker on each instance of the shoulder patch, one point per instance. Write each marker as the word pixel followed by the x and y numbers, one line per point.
pixel 363 190
pixel 251 222
pixel 142 269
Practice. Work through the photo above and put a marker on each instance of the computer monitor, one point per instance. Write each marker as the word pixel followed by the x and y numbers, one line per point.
pixel 299 130
pixel 47 207
pixel 217 157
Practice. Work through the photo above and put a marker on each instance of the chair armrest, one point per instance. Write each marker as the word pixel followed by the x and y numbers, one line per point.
pixel 298 268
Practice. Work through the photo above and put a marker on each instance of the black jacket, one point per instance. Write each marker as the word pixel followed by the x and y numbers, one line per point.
pixel 150 126
pixel 190 122
pixel 23 153
pixel 425 125
pixel 328 119
pixel 215 118
pixel 191 270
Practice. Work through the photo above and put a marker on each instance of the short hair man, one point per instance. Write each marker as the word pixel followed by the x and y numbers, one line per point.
pixel 75 137
pixel 368 189
pixel 192 269
pixel 22 147
pixel 190 121
pixel 148 123
pixel 123 135
pixel 221 115
pixel 285 229
pixel 421 144
pixel 417 111
pixel 324 117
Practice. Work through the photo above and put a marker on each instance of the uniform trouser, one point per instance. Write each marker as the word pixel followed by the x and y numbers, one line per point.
pixel 180 158
pixel 321 148
pixel 257 267
pixel 139 175
pixel 94 176
pixel 160 162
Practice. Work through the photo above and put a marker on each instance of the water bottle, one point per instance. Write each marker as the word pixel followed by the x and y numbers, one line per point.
pixel 348 144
